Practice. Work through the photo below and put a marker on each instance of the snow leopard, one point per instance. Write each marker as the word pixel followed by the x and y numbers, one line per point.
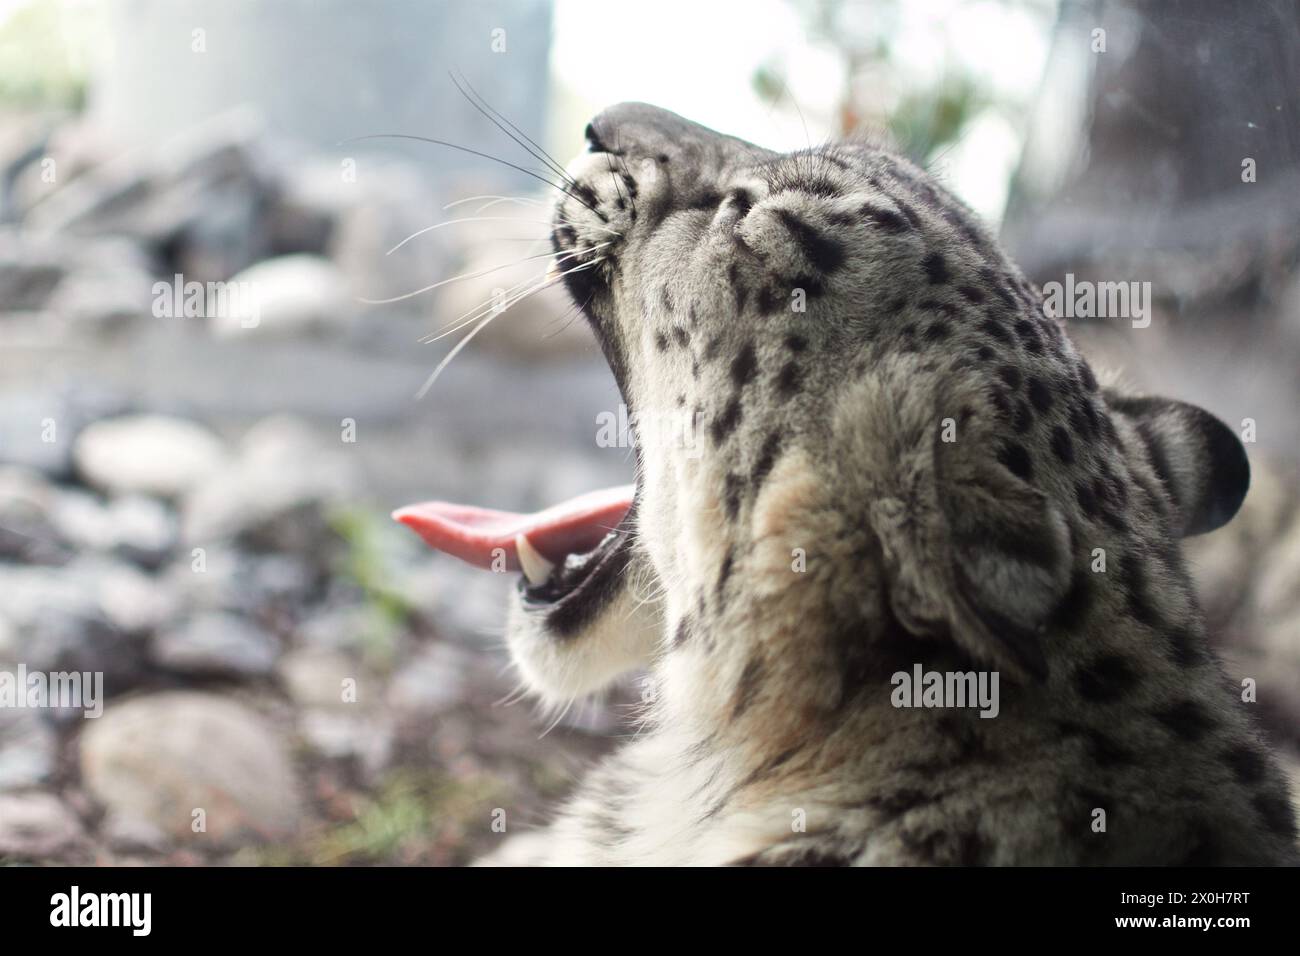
pixel 892 463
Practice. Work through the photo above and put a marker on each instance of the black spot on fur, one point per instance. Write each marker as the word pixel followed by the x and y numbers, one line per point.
pixel 789 378
pixel 769 300
pixel 683 632
pixel 1183 647
pixel 744 365
pixel 1039 394
pixel 731 495
pixel 1017 461
pixel 886 219
pixel 1246 762
pixel 1137 589
pixel 1062 445
pixel 1082 423
pixel 724 573
pixel 1087 500
pixel 1029 336
pixel 1103 750
pixel 992 327
pixel 766 457
pixel 661 342
pixel 1001 403
pixel 934 305
pixel 682 336
pixel 1276 814
pixel 1024 417
pixel 936 269
pixel 1011 375
pixel 1205 848
pixel 666 299
pixel 726 423
pixel 908 213
pixel 824 252
pixel 971 294
pixel 796 343
pixel 1187 719
pixel 739 290
pixel 1087 378
pixel 1155 454
pixel 894 804
pixel 1075 605
pixel 711 348
pixel 1106 752
pixel 747 687
pixel 936 331
pixel 1106 678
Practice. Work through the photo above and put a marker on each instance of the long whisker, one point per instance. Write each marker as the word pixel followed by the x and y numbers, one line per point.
pixel 495 115
pixel 457 222
pixel 475 152
pixel 456 350
pixel 466 275
pixel 497 199
pixel 477 312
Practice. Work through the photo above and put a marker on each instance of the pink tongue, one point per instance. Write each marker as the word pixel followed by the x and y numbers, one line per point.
pixel 473 534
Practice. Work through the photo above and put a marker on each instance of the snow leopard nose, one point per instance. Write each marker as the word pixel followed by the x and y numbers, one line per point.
pixel 683 148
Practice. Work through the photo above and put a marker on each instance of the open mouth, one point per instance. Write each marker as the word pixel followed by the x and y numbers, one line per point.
pixel 563 551
pixel 570 552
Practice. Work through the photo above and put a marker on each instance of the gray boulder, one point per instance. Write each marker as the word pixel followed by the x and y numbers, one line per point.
pixel 193 769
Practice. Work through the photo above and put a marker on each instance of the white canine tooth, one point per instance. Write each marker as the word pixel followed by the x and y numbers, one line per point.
pixel 536 568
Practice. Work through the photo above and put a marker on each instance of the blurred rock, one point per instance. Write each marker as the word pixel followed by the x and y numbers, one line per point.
pixel 216 643
pixel 134 602
pixel 343 627
pixel 199 196
pixel 38 427
pixel 73 147
pixel 90 615
pixel 106 293
pixel 431 682
pixel 368 739
pixel 36 826
pixel 311 195
pixel 28 532
pixel 24 141
pixel 295 295
pixel 60 625
pixel 273 495
pixel 153 761
pixel 473 601
pixel 28 749
pixel 137 528
pixel 226 578
pixel 315 676
pixel 29 272
pixel 147 454
pixel 391 203
pixel 339 707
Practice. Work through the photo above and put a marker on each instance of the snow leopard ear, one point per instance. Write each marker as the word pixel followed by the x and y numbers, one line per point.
pixel 1010 559
pixel 1200 462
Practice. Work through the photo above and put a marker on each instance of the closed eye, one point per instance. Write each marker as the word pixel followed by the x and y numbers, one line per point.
pixel 707 200
pixel 741 200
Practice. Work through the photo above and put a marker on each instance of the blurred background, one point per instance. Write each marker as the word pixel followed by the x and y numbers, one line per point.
pixel 196 505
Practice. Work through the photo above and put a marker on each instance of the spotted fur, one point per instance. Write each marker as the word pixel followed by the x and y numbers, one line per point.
pixel 827 316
